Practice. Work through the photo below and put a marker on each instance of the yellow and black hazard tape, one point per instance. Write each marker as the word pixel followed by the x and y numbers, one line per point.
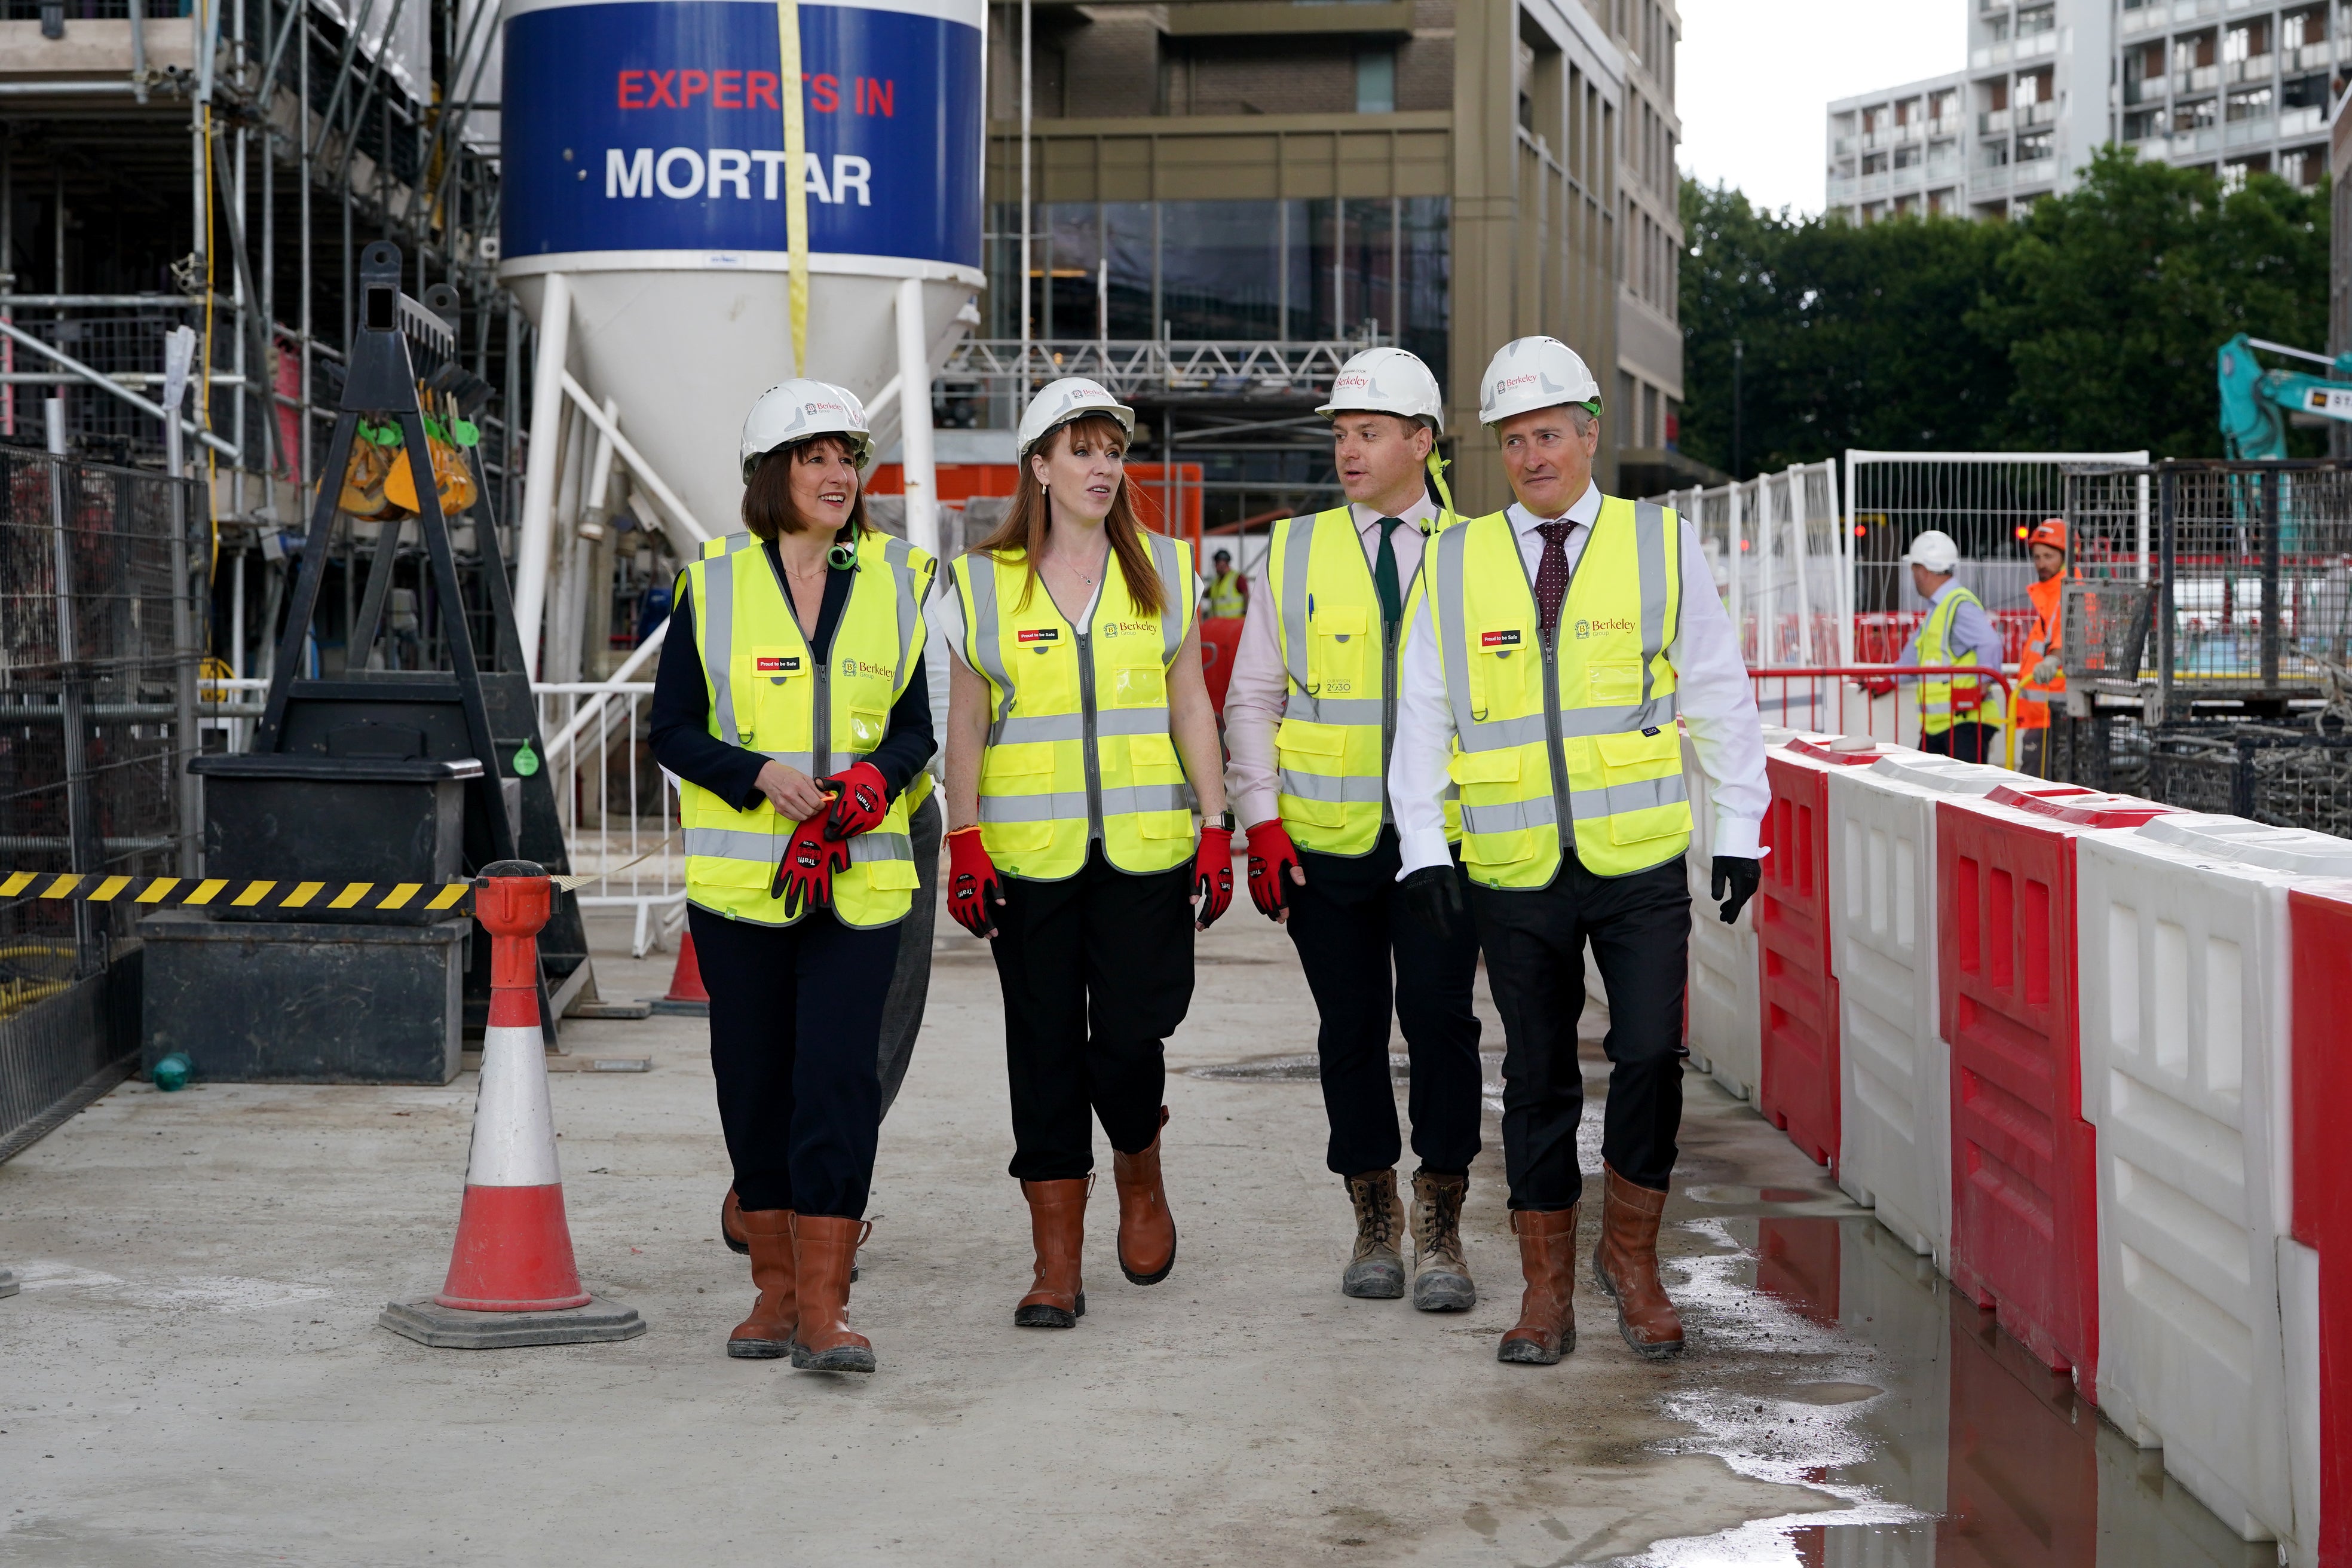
pixel 227 893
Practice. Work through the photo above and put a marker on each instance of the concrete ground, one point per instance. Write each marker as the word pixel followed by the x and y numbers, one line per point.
pixel 192 1373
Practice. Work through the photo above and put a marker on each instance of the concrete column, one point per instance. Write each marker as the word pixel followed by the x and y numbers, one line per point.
pixel 922 476
pixel 533 548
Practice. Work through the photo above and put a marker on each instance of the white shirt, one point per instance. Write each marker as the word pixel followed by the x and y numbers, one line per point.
pixel 1713 693
pixel 1259 691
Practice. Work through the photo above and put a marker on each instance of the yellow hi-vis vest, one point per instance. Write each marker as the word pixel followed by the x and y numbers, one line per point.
pixel 1338 716
pixel 1078 744
pixel 1580 728
pixel 1226 600
pixel 1935 648
pixel 768 694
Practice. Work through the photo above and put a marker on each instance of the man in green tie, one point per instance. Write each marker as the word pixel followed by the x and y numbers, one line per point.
pixel 1309 717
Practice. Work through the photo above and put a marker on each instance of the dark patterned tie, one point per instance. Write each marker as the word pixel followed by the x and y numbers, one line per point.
pixel 1552 573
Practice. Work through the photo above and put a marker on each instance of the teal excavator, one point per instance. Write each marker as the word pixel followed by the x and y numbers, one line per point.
pixel 2255 402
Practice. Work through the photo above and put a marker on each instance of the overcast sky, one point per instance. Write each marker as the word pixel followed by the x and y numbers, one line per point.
pixel 1756 76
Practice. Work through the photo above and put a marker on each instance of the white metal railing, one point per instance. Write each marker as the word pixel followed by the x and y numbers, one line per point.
pixel 1772 543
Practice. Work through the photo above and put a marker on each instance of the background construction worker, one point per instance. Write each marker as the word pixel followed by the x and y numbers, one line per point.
pixel 1076 713
pixel 1228 594
pixel 2041 683
pixel 1960 715
pixel 1310 717
pixel 1554 646
pixel 798 724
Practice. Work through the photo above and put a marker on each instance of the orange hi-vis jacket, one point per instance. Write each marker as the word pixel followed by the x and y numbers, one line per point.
pixel 2033 697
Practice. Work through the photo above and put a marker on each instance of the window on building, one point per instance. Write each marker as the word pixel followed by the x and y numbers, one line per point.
pixel 1906 156
pixel 2194 51
pixel 1376 82
pixel 2301 29
pixel 2030 149
pixel 2253 103
pixel 1992 155
pixel 2248 40
pixel 2201 115
pixel 2303 166
pixel 2143 124
pixel 2235 173
pixel 2040 19
pixel 1942 202
pixel 1873 163
pixel 1875 119
pixel 1945 104
pixel 2305 92
pixel 1653 430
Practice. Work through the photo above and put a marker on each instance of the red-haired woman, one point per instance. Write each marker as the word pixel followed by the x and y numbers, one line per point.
pixel 791 703
pixel 1076 716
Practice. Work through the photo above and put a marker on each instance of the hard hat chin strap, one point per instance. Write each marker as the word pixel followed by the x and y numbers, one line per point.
pixel 1436 466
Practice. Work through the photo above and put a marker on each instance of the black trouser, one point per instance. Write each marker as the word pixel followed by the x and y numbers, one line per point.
pixel 1097 971
pixel 1969 742
pixel 1350 925
pixel 796 1021
pixel 1534 941
pixel 911 984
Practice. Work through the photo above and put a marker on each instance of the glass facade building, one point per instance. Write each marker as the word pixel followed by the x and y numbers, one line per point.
pixel 1294 270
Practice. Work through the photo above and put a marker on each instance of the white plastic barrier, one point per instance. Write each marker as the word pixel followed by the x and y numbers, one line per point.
pixel 1894 1069
pixel 2185 983
pixel 1725 1032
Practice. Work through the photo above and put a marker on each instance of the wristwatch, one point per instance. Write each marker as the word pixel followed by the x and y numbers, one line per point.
pixel 1225 819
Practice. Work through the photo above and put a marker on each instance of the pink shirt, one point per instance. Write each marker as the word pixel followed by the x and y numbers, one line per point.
pixel 1258 693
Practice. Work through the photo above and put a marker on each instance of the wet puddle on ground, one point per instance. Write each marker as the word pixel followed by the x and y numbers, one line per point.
pixel 1839 1361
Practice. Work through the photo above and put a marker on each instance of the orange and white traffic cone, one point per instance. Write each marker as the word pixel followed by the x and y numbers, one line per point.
pixel 686 996
pixel 512 1281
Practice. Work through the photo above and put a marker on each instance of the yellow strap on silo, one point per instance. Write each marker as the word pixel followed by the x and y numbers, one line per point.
pixel 788 41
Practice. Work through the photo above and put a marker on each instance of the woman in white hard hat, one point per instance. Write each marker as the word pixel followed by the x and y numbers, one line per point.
pixel 794 711
pixel 1076 714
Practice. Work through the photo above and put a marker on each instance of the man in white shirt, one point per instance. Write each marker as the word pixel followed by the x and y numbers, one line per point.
pixel 1309 717
pixel 1554 646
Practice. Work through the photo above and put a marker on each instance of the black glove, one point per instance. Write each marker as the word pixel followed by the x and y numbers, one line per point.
pixel 1434 894
pixel 1742 875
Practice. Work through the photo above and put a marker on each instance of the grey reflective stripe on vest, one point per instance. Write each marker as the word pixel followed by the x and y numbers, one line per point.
pixel 719 641
pixel 804 760
pixel 1587 805
pixel 1167 558
pixel 1453 641
pixel 868 846
pixel 1501 734
pixel 1349 790
pixel 981 638
pixel 1650 554
pixel 1333 710
pixel 736 843
pixel 1073 726
pixel 1295 553
pixel 1070 805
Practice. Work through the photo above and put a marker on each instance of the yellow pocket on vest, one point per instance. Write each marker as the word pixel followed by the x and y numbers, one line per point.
pixel 1152 760
pixel 1139 685
pixel 889 876
pixel 867 728
pixel 1013 767
pixel 1163 824
pixel 734 873
pixel 1498 849
pixel 1643 754
pixel 1016 837
pixel 1483 767
pixel 1301 738
pixel 1612 684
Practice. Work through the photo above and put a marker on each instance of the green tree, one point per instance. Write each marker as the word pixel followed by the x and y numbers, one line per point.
pixel 1852 336
pixel 2113 298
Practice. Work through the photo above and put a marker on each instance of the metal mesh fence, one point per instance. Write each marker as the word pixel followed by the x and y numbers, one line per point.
pixel 99 608
pixel 1772 546
pixel 2287 777
pixel 2228 586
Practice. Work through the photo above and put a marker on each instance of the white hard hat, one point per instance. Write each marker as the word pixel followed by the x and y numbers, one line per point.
pixel 1059 402
pixel 1934 550
pixel 792 411
pixel 1387 381
pixel 1528 373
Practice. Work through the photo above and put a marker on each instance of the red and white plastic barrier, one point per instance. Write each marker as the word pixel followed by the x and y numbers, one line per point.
pixel 1895 1095
pixel 2185 940
pixel 1723 1030
pixel 2315 1261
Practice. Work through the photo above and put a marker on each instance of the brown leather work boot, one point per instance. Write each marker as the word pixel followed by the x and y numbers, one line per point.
pixel 1625 1264
pixel 1547 1327
pixel 825 1249
pixel 1147 1231
pixel 730 1222
pixel 1058 1223
pixel 766 1333
pixel 1441 1278
pixel 1376 1271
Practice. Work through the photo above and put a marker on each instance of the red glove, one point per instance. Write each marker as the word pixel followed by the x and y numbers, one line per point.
pixel 1878 685
pixel 860 801
pixel 972 885
pixel 1212 870
pixel 1272 859
pixel 805 875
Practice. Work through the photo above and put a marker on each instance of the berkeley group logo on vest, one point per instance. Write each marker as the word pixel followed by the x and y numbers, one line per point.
pixel 851 669
pixel 1586 629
